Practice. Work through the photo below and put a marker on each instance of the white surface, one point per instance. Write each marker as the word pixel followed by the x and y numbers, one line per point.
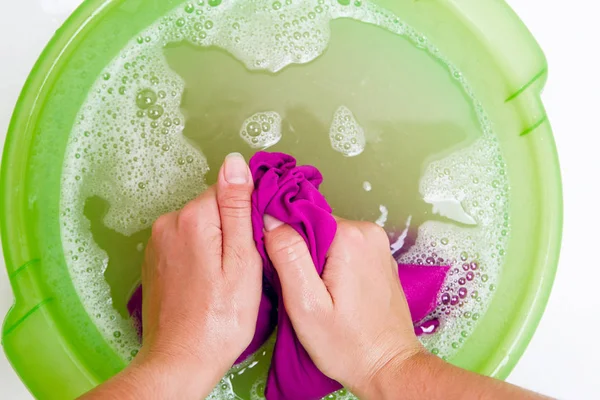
pixel 562 360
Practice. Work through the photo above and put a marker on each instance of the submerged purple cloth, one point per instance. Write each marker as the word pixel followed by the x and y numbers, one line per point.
pixel 291 194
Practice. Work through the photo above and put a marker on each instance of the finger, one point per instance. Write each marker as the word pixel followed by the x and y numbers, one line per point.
pixel 304 293
pixel 340 274
pixel 201 212
pixel 163 225
pixel 162 229
pixel 234 191
pixel 344 270
pixel 200 228
pixel 348 238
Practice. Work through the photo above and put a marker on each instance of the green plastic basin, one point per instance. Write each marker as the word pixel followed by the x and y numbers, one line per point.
pixel 52 342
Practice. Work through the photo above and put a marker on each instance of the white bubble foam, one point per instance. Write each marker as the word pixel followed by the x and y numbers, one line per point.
pixel 345 134
pixel 261 130
pixel 476 254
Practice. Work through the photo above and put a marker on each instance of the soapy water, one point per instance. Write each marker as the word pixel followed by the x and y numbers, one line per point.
pixel 128 148
pixel 262 130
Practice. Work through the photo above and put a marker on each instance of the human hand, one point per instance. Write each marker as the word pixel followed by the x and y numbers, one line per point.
pixel 353 320
pixel 202 280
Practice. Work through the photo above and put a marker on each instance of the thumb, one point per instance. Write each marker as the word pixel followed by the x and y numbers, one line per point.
pixel 234 191
pixel 304 293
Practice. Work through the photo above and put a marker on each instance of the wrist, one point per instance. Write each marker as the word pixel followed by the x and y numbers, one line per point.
pixel 173 377
pixel 410 371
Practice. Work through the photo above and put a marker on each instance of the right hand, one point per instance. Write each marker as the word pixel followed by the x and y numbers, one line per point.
pixel 353 320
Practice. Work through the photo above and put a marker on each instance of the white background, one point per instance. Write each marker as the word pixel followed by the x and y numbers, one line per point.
pixel 564 357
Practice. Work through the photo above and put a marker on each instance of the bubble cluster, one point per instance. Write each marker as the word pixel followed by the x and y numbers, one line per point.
pixel 265 35
pixel 146 98
pixel 261 130
pixel 127 147
pixel 346 135
pixel 475 254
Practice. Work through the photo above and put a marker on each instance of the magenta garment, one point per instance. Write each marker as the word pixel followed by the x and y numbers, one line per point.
pixel 291 194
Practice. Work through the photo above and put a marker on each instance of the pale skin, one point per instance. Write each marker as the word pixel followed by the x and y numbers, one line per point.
pixel 353 320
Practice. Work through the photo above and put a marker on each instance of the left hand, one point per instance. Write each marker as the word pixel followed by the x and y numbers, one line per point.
pixel 202 280
pixel 202 275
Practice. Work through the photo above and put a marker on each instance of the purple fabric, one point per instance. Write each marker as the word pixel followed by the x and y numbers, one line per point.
pixel 291 194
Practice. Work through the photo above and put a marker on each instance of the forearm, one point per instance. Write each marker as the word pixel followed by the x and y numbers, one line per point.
pixel 156 379
pixel 426 376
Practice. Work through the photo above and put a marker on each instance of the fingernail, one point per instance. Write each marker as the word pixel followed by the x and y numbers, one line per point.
pixel 271 223
pixel 235 169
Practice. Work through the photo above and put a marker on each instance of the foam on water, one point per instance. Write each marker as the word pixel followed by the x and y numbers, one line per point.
pixel 346 135
pixel 127 147
pixel 261 130
pixel 475 253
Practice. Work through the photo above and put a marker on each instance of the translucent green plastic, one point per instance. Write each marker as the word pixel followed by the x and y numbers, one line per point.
pixel 47 335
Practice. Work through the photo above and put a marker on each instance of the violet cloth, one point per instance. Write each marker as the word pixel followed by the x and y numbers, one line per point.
pixel 291 194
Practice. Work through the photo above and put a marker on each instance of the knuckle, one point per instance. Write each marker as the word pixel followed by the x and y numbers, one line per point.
pixel 188 217
pixel 200 227
pixel 351 232
pixel 289 248
pixel 309 306
pixel 285 237
pixel 284 255
pixel 160 225
pixel 235 204
pixel 374 231
pixel 203 208
pixel 235 207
